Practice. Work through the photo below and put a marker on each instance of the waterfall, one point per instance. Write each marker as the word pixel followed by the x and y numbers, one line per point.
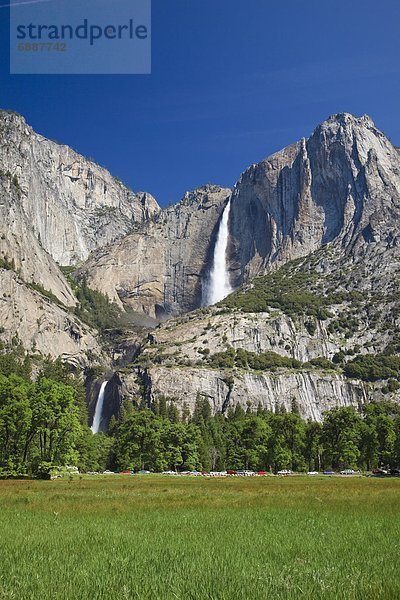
pixel 99 409
pixel 217 286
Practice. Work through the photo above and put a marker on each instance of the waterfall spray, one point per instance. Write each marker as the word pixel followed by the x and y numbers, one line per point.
pixel 99 409
pixel 218 286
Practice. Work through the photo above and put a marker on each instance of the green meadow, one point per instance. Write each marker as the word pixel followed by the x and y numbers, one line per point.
pixel 165 538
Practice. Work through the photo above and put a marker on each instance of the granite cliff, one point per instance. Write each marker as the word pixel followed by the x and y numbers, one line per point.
pixel 36 303
pixel 55 207
pixel 158 269
pixel 339 186
pixel 73 204
pixel 342 184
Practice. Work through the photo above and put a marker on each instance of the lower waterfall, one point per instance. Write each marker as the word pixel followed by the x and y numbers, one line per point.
pixel 217 286
pixel 98 412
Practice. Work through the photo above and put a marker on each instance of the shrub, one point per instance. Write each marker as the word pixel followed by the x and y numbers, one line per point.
pixel 322 363
pixel 6 264
pixel 373 367
pixel 311 327
pixel 250 360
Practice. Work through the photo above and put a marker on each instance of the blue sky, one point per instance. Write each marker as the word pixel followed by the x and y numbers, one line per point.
pixel 232 81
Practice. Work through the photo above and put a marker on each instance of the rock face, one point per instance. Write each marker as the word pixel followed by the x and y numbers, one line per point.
pixel 186 338
pixel 73 204
pixel 35 298
pixel 175 363
pixel 43 326
pixel 342 184
pixel 159 268
pixel 21 249
pixel 314 392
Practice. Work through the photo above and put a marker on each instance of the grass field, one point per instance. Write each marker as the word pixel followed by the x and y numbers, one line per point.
pixel 164 538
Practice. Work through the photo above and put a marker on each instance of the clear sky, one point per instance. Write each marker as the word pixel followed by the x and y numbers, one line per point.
pixel 232 81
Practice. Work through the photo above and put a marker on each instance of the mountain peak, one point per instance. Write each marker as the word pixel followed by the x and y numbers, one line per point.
pixel 348 121
pixel 4 112
pixel 346 117
pixel 203 194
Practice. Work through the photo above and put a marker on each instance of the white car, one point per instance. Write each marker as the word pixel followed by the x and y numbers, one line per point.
pixel 347 472
pixel 312 473
pixel 284 472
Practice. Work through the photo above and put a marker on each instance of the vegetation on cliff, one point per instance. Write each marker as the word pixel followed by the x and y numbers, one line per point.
pixel 94 308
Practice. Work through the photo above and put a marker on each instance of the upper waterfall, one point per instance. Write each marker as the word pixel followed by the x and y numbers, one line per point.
pixel 217 286
pixel 98 412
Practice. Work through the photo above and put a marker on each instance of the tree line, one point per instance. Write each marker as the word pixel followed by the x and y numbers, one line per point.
pixel 161 439
pixel 44 424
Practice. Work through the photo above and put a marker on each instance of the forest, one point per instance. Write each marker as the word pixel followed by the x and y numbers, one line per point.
pixel 44 426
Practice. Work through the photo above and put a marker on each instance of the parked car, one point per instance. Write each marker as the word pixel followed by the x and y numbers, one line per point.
pixel 347 472
pixel 284 472
pixel 144 472
pixel 379 472
pixel 329 472
pixel 108 472
pixel 312 473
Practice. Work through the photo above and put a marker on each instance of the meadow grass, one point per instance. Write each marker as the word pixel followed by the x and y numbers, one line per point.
pixel 156 537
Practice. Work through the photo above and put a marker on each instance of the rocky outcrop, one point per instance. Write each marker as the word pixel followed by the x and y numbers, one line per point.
pixel 195 337
pixel 191 336
pixel 159 268
pixel 73 205
pixel 55 205
pixel 175 363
